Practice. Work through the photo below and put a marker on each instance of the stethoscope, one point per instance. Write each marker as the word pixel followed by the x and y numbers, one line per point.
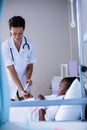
pixel 25 44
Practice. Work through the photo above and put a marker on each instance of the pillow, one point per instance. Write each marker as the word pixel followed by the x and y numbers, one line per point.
pixel 52 110
pixel 71 112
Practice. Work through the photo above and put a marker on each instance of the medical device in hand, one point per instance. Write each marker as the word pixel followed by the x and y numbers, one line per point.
pixel 27 88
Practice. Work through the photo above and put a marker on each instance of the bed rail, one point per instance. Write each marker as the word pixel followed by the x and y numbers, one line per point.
pixel 79 101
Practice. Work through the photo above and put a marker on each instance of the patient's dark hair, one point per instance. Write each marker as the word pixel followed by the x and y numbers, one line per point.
pixel 69 80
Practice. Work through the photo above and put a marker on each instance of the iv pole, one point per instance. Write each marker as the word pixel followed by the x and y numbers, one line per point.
pixel 80 41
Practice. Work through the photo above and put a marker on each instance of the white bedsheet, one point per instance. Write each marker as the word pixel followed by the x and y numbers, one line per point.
pixel 26 113
pixel 20 113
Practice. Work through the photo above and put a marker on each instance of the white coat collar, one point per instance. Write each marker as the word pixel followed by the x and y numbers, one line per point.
pixel 14 47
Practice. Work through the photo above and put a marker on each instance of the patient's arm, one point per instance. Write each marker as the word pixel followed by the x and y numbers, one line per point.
pixel 42 114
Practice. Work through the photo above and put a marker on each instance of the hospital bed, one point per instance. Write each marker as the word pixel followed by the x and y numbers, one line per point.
pixel 22 122
pixel 41 125
pixel 23 108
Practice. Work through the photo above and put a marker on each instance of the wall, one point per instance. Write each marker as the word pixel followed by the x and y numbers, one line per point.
pixel 84 30
pixel 47 24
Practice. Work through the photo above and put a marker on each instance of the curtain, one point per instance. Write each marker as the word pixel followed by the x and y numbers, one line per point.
pixel 4 89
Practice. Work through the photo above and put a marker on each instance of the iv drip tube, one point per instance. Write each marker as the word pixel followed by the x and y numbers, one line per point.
pixel 72 15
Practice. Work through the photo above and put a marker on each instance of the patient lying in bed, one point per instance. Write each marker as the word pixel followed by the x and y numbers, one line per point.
pixel 50 112
pixel 68 112
pixel 69 88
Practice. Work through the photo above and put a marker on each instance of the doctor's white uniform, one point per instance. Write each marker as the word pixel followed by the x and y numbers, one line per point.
pixel 20 60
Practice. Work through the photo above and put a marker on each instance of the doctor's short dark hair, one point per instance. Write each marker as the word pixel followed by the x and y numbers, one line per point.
pixel 16 21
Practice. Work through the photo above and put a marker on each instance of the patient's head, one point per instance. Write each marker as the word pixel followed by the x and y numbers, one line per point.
pixel 65 84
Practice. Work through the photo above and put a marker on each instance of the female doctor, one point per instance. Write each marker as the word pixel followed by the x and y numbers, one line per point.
pixel 19 56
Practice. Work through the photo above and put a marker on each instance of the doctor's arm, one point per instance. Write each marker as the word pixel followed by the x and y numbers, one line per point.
pixel 15 78
pixel 29 71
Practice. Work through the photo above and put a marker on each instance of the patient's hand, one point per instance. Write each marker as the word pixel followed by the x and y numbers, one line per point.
pixel 29 95
pixel 42 113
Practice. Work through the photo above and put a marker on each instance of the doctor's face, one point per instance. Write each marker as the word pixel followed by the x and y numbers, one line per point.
pixel 17 33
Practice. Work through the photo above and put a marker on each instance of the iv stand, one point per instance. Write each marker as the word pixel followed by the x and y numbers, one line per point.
pixel 80 41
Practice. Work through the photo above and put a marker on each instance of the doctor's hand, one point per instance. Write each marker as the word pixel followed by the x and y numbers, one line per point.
pixel 29 82
pixel 25 94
